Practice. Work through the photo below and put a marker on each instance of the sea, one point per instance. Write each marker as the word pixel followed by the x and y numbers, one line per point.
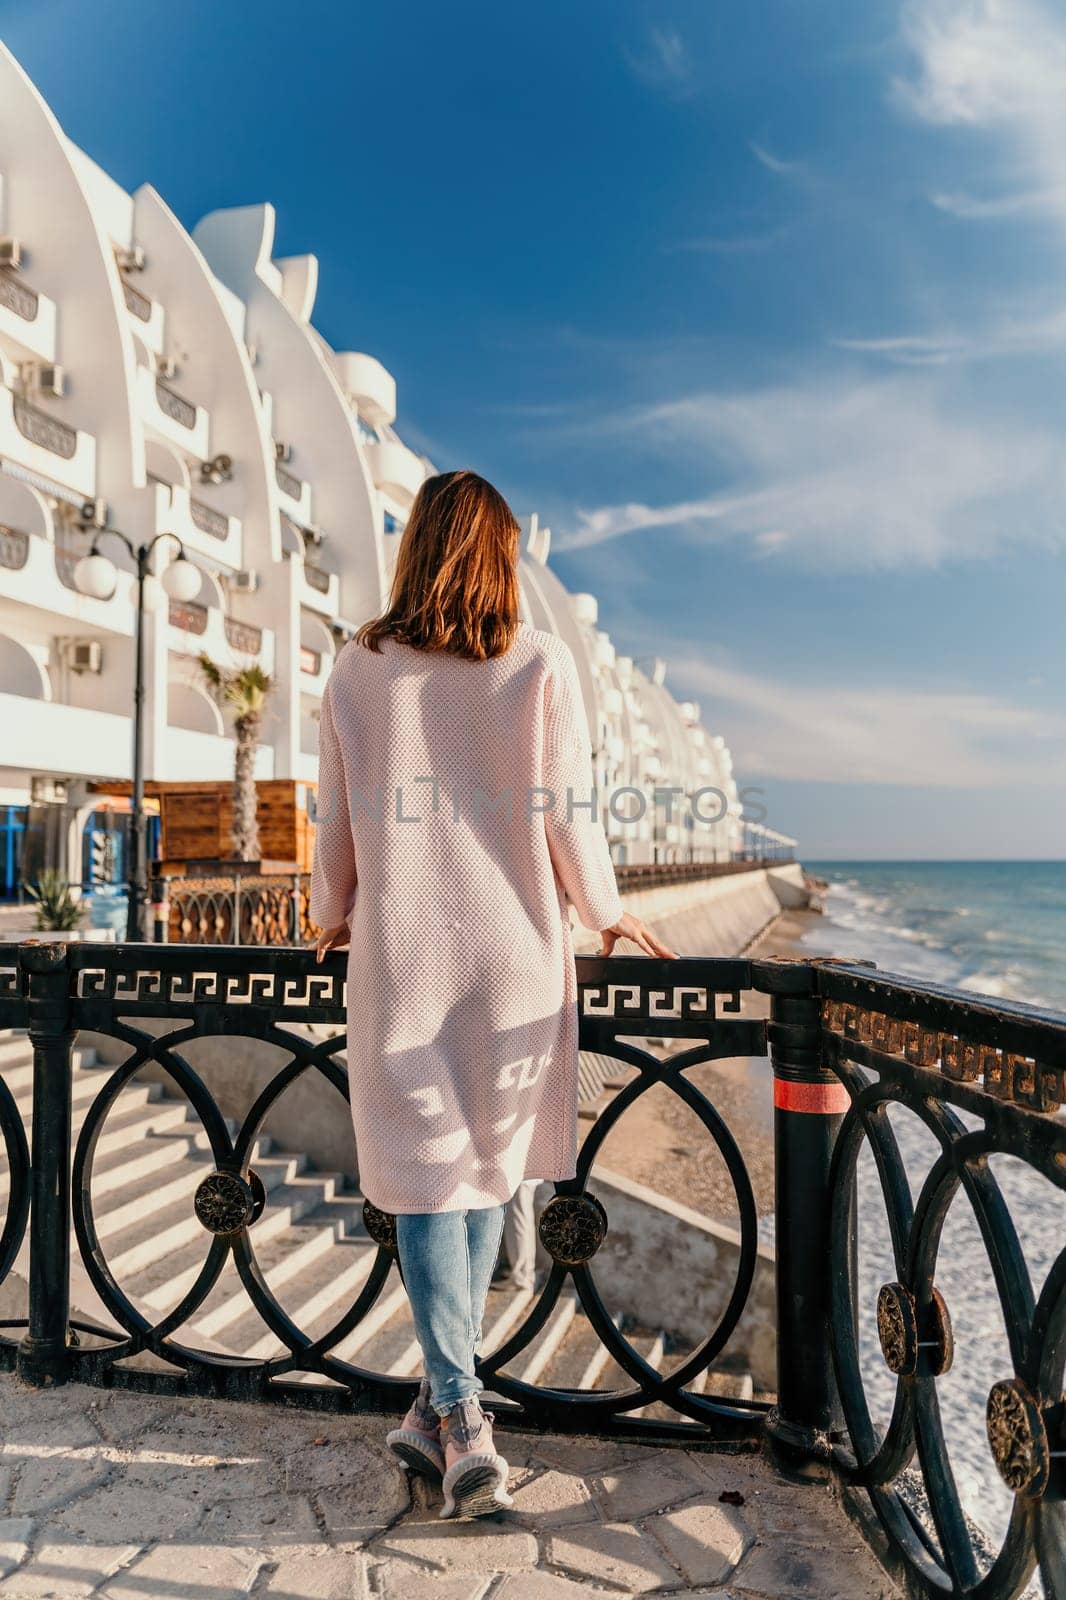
pixel 997 928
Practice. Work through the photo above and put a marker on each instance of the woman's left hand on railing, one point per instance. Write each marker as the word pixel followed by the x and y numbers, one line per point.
pixel 332 939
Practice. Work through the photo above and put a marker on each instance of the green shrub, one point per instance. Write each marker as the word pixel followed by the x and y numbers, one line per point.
pixel 57 909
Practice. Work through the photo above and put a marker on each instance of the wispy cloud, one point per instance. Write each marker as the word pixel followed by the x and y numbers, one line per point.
pixel 1005 336
pixel 995 64
pixel 887 473
pixel 664 62
pixel 880 734
pixel 1004 207
pixel 774 163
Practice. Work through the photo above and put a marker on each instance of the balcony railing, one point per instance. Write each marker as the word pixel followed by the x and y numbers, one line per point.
pixel 188 615
pixel 851 1052
pixel 288 482
pixel 243 637
pixel 659 874
pixel 208 520
pixel 175 406
pixel 19 298
pixel 138 303
pixel 14 548
pixel 250 908
pixel 317 578
pixel 44 430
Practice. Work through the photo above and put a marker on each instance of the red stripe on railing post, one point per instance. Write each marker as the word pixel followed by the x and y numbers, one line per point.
pixel 811 1099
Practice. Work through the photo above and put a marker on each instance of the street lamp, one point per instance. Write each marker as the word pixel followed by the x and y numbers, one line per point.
pixel 96 575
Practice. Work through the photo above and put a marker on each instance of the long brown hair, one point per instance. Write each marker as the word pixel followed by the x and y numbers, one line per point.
pixel 455 587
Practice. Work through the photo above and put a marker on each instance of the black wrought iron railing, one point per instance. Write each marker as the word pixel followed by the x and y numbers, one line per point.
pixel 862 1362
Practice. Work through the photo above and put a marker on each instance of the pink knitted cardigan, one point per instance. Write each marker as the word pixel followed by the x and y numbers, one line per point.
pixel 453 825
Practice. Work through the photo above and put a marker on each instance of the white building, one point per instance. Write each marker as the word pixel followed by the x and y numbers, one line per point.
pixel 156 382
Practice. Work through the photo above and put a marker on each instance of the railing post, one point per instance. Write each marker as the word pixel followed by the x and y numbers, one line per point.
pixel 160 892
pixel 809 1103
pixel 42 1355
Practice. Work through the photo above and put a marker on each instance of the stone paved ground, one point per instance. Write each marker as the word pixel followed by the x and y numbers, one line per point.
pixel 122 1497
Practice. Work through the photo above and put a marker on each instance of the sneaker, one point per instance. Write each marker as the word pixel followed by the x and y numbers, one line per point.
pixel 475 1475
pixel 417 1440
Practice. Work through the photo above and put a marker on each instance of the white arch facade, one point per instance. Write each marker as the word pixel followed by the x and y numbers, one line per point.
pixel 159 382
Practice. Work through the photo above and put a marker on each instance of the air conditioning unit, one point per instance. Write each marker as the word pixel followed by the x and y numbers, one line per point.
pixel 94 513
pixel 244 582
pixel 166 367
pixel 45 378
pixel 218 470
pixel 86 655
pixel 131 259
pixel 11 254
pixel 282 452
pixel 47 791
pixel 313 538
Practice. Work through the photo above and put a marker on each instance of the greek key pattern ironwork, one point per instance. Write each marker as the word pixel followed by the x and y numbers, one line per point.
pixel 19 298
pixel 41 429
pixel 14 548
pixel 291 990
pixel 12 997
pixel 1004 1074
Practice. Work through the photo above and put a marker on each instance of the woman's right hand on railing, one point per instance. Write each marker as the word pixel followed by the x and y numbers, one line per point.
pixel 630 927
pixel 332 939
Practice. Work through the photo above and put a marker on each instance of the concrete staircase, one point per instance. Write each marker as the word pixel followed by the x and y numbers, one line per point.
pixel 310 1243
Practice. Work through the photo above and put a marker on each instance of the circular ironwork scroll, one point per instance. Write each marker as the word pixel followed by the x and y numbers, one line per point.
pixel 572 1228
pixel 381 1226
pixel 1018 1439
pixel 226 1202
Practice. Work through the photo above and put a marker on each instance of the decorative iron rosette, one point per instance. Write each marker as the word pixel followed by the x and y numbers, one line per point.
pixel 1018 1438
pixel 901 1337
pixel 381 1226
pixel 897 1328
pixel 572 1228
pixel 226 1202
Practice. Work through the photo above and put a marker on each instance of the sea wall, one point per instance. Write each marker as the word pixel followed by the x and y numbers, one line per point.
pixel 714 916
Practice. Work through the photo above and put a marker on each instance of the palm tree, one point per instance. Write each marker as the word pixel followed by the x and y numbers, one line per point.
pixel 243 692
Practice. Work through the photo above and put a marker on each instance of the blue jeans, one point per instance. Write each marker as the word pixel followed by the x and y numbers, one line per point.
pixel 447 1259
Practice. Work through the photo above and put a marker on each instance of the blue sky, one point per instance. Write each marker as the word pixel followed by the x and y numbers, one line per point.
pixel 761 307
